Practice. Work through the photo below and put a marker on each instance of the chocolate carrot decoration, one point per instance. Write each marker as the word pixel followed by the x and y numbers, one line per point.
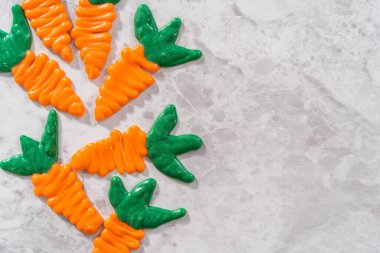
pixel 91 34
pixel 52 24
pixel 58 183
pixel 123 229
pixel 129 75
pixel 40 76
pixel 125 151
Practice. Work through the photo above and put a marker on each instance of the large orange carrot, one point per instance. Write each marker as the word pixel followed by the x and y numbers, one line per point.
pixel 59 184
pixel 44 80
pixel 123 229
pixel 52 24
pixel 123 151
pixel 66 196
pixel 125 81
pixel 128 76
pixel 91 34
pixel 47 83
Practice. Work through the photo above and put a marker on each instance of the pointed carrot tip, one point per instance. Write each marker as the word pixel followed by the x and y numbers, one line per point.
pixel 77 109
pixel 99 114
pixel 67 54
pixel 92 72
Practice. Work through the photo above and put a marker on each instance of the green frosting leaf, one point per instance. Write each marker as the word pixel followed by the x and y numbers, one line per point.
pixel 97 2
pixel 37 157
pixel 14 45
pixel 159 44
pixel 49 139
pixel 163 148
pixel 133 207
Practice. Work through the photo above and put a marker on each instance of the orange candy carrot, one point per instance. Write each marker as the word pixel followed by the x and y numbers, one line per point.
pixel 66 196
pixel 51 22
pixel 125 81
pixel 59 184
pixel 47 83
pixel 126 77
pixel 117 237
pixel 91 35
pixel 125 151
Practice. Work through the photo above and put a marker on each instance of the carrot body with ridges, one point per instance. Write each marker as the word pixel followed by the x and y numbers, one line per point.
pixel 125 81
pixel 52 24
pixel 91 35
pixel 124 151
pixel 117 237
pixel 59 184
pixel 47 83
pixel 66 196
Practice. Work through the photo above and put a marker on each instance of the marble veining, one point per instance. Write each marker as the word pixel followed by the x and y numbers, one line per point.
pixel 287 102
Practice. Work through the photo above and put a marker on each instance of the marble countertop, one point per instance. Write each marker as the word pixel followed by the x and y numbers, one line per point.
pixel 287 101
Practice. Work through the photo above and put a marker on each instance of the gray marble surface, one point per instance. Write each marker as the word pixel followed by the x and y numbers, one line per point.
pixel 287 101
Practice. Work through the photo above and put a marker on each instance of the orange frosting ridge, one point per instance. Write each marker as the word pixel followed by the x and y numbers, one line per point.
pixel 47 83
pixel 66 196
pixel 117 237
pixel 91 35
pixel 125 81
pixel 124 151
pixel 52 24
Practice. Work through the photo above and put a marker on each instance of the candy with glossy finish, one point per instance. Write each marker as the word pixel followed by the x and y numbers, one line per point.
pixel 117 237
pixel 59 184
pixel 36 157
pixel 91 35
pixel 51 23
pixel 125 81
pixel 97 2
pixel 47 83
pixel 133 207
pixel 124 151
pixel 13 45
pixel 163 147
pixel 160 44
pixel 129 76
pixel 66 196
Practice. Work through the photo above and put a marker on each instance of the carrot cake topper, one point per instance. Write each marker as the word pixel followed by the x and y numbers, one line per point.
pixel 125 151
pixel 52 24
pixel 58 183
pixel 91 33
pixel 40 76
pixel 123 229
pixel 129 76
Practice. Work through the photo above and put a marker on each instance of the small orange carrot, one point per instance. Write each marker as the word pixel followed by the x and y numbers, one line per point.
pixel 59 184
pixel 51 22
pixel 125 151
pixel 117 236
pixel 91 34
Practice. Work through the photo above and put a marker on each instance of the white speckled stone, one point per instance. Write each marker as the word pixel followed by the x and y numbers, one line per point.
pixel 287 101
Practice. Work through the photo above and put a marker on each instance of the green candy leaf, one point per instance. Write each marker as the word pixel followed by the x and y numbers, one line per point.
pixel 97 2
pixel 13 45
pixel 133 207
pixel 163 148
pixel 37 157
pixel 159 44
pixel 49 139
